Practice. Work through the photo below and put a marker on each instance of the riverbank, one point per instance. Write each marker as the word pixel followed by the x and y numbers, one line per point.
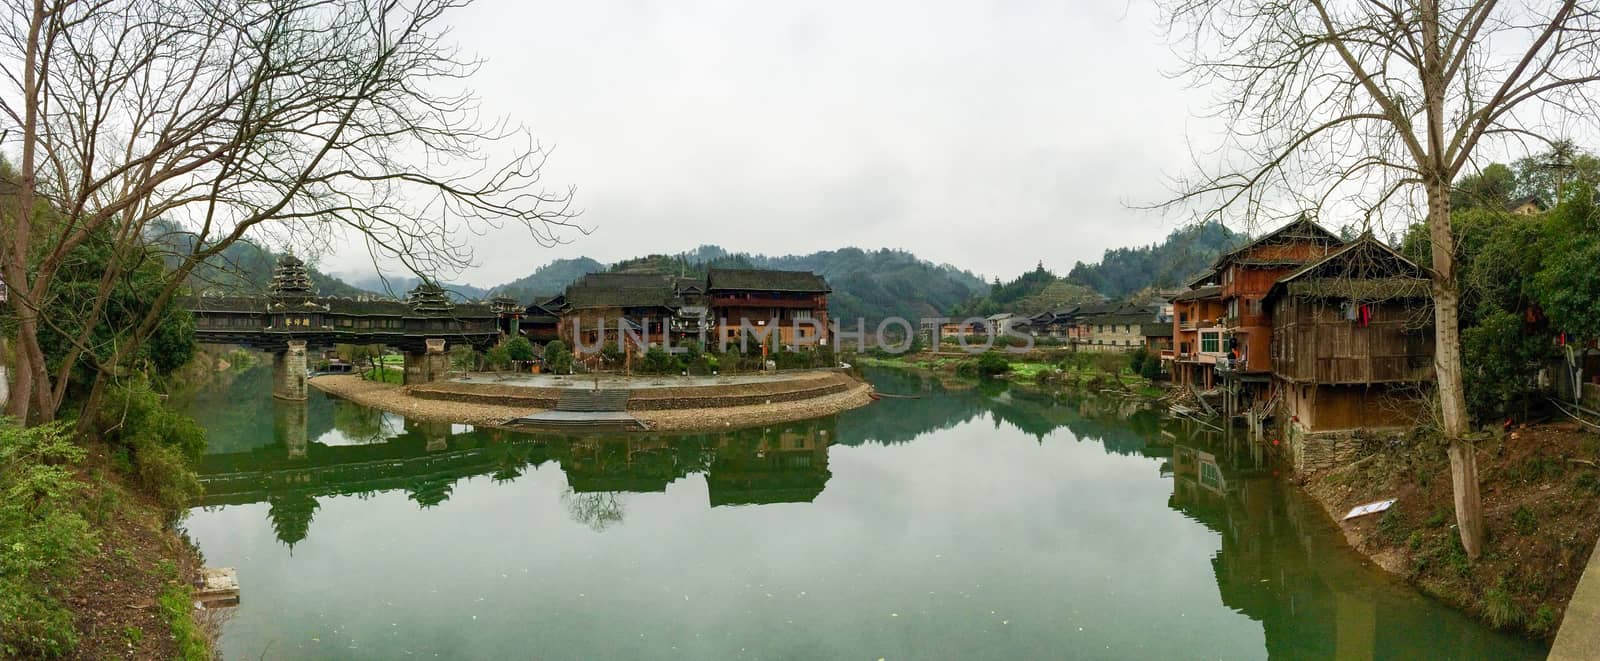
pixel 1541 501
pixel 93 568
pixel 493 405
pixel 1038 368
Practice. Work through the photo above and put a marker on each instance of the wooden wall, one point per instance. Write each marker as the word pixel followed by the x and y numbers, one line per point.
pixel 1316 344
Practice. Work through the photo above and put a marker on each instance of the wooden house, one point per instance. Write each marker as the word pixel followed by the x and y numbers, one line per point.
pixel 797 301
pixel 1197 333
pixel 1247 273
pixel 1353 340
pixel 598 305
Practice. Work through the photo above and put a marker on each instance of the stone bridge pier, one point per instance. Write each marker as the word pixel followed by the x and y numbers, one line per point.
pixel 429 365
pixel 289 372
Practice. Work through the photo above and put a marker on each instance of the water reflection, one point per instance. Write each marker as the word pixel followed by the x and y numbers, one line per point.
pixel 765 465
pixel 864 507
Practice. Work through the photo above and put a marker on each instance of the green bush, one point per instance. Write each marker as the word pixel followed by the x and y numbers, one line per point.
pixel 518 348
pixel 163 445
pixel 557 358
pixel 657 361
pixel 44 534
pixel 497 357
pixel 993 364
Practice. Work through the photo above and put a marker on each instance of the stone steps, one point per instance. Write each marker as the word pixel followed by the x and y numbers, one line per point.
pixel 589 400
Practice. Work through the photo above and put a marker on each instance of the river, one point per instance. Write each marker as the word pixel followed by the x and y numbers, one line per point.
pixel 980 522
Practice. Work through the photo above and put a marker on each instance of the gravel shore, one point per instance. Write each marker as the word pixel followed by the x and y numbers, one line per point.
pixel 398 399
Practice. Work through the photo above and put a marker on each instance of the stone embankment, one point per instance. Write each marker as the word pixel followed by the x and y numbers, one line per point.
pixel 662 407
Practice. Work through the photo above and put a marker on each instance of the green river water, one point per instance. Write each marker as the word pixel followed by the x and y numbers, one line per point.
pixel 963 524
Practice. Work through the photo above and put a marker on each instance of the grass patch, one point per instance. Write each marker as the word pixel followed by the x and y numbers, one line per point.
pixel 1499 609
pixel 177 608
pixel 385 375
pixel 1523 521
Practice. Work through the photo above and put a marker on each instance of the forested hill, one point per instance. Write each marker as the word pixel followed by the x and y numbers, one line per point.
pixel 867 284
pixel 1122 273
pixel 242 268
pixel 1185 252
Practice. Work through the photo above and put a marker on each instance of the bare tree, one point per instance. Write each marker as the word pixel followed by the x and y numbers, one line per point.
pixel 1381 104
pixel 290 120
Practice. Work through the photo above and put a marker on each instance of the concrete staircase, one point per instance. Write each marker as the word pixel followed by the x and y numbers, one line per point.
pixel 585 410
pixel 586 400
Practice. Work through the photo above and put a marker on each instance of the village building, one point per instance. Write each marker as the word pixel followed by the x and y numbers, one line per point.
pixel 1158 339
pixel 1352 348
pixel 1197 333
pixel 1247 273
pixel 1113 326
pixel 1527 206
pixel 659 307
pixel 795 300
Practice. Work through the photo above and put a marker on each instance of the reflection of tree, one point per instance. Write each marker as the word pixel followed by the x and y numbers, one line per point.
pixel 598 510
pixel 291 516
pixel 430 492
pixel 359 423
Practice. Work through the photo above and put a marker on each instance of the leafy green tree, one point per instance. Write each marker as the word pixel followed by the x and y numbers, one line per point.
pixel 519 348
pixel 1491 189
pixel 557 358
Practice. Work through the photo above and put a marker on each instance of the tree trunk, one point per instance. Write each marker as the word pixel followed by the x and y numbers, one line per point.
pixel 1447 368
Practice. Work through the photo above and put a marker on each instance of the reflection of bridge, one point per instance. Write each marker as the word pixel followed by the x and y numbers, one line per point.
pixel 292 318
pixel 780 464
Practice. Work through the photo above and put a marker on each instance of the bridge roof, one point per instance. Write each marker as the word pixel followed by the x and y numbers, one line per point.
pixel 334 305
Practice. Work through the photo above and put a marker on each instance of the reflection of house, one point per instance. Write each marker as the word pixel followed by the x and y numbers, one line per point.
pixel 1353 341
pixel 781 465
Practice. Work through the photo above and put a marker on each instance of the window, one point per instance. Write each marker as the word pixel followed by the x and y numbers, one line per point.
pixel 1210 343
pixel 802 314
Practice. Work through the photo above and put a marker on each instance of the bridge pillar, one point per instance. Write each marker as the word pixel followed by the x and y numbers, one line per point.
pixel 289 372
pixel 428 366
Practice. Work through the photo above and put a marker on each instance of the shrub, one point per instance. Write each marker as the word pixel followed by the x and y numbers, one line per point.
pixel 1523 521
pixel 557 358
pixel 497 357
pixel 1499 609
pixel 992 364
pixel 658 361
pixel 1543 619
pixel 44 534
pixel 163 446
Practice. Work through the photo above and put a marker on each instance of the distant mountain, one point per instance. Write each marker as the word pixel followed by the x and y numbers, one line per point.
pixel 866 284
pixel 1185 253
pixel 398 285
pixel 242 268
pixel 1123 273
pixel 870 285
pixel 548 280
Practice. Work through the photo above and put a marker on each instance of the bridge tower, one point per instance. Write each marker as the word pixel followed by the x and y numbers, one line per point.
pixel 291 285
pixel 432 362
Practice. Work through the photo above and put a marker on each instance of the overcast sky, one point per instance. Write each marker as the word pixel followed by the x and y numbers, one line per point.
pixel 989 136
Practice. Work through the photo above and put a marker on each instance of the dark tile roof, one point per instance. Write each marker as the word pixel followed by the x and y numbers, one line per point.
pixel 1366 269
pixel 1531 199
pixel 1198 293
pixel 661 296
pixel 1157 330
pixel 766 280
pixel 1300 229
